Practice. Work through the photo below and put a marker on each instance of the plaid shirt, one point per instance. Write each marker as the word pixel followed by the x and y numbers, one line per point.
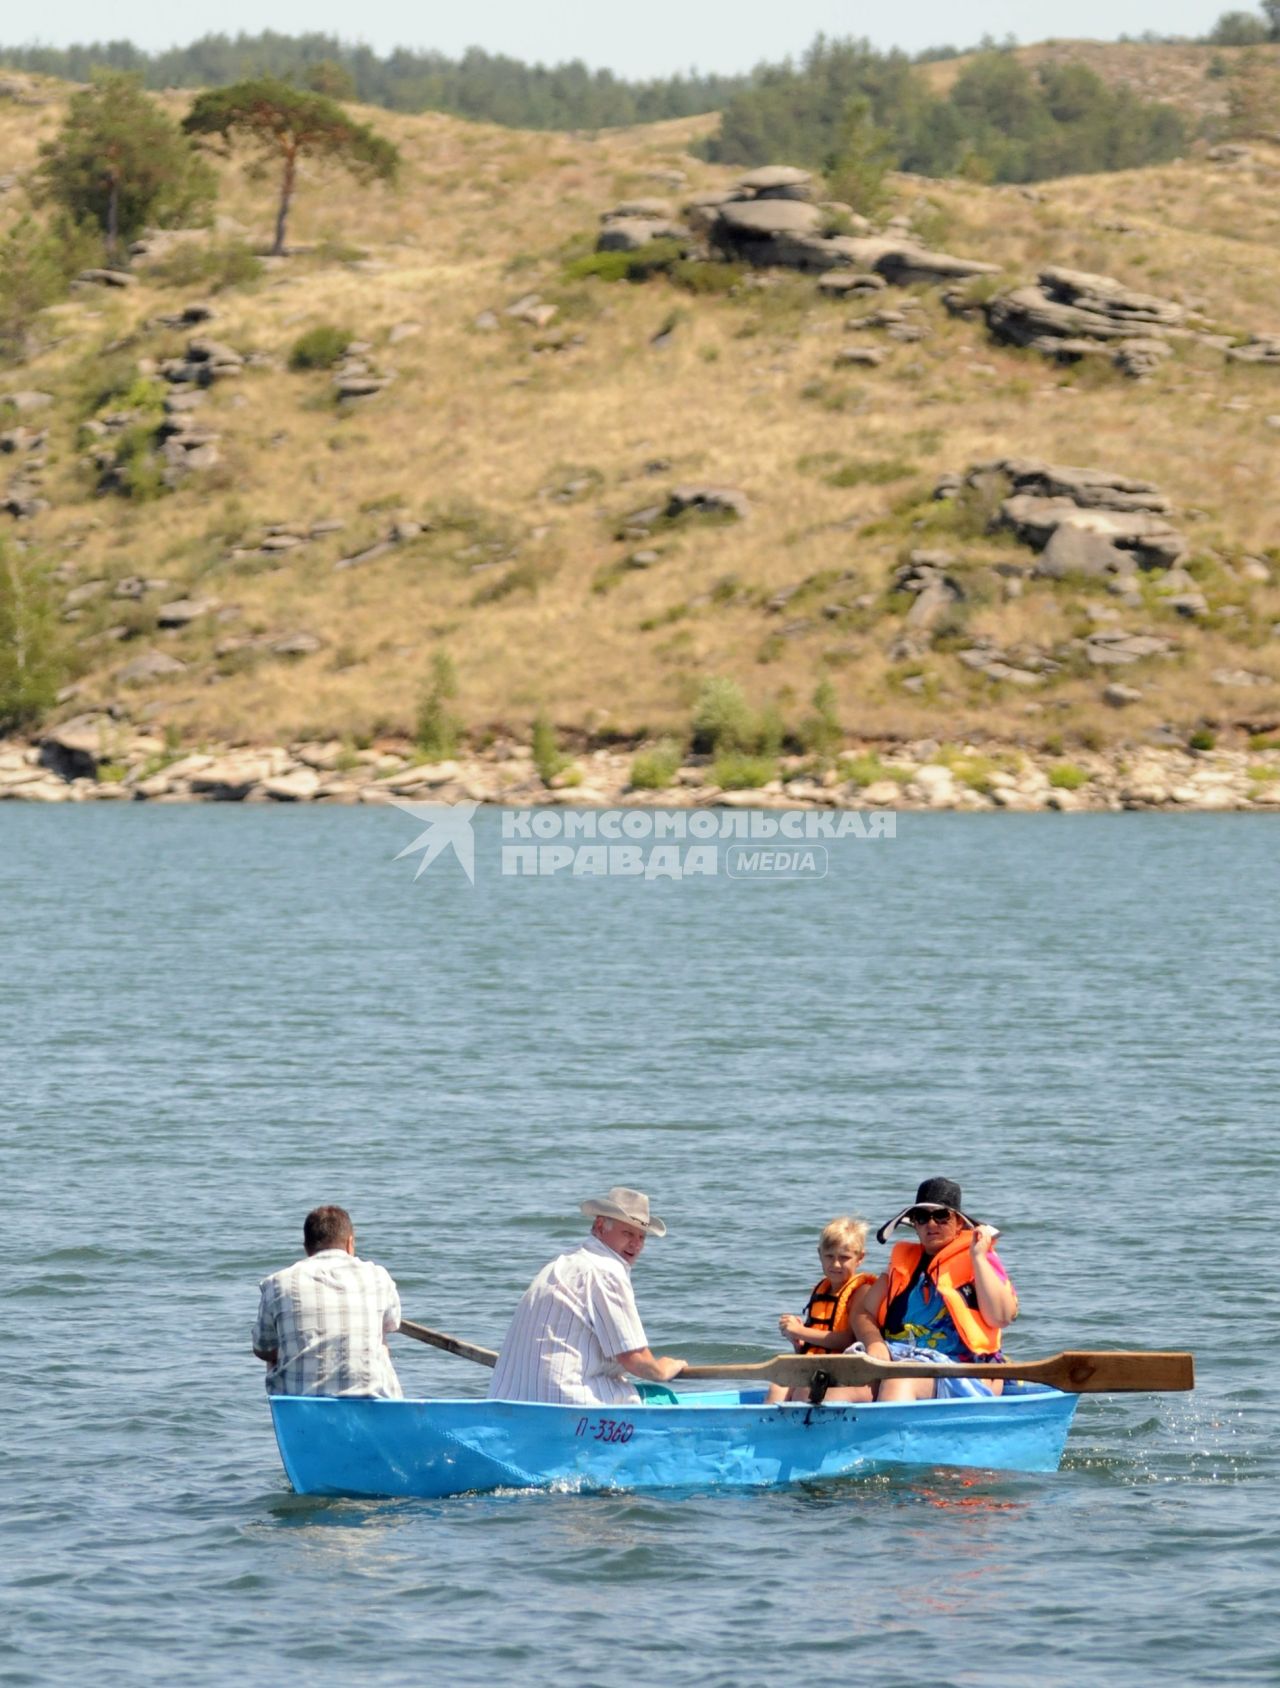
pixel 327 1318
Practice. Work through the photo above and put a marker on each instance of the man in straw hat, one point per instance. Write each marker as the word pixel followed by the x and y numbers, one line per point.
pixel 576 1332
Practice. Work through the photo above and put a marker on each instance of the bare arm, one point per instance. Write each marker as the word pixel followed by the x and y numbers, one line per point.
pixel 653 1368
pixel 863 1321
pixel 813 1336
pixel 997 1298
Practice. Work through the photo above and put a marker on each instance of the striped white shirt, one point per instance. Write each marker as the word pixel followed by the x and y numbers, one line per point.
pixel 328 1317
pixel 576 1315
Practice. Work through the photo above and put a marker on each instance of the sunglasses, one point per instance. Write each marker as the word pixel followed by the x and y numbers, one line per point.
pixel 925 1215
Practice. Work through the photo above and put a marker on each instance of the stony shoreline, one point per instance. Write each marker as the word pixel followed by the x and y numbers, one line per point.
pixel 95 759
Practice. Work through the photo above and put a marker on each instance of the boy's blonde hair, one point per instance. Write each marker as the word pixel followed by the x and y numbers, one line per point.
pixel 848 1230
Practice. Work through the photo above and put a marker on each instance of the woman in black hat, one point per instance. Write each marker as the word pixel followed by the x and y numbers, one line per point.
pixel 944 1297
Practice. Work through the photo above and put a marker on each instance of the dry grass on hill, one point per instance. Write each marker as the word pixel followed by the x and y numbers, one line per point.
pixel 481 431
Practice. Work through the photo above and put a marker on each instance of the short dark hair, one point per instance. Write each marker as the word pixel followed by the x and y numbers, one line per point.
pixel 326 1227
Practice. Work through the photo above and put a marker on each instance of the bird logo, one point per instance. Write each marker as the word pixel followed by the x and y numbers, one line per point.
pixel 448 828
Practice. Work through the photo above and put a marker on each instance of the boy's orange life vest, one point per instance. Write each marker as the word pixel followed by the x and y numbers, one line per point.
pixel 828 1308
pixel 949 1270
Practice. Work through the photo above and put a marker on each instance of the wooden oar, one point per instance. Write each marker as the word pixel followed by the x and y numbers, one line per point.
pixel 1075 1373
pixel 450 1344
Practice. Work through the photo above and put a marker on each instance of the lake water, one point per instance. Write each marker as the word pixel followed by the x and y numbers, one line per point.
pixel 217 1017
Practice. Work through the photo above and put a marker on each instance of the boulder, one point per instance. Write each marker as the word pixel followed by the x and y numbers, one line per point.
pixel 1152 541
pixel 155 665
pixel 298 786
pixel 707 500
pixel 777 181
pixel 135 587
pixel 1140 358
pixel 1078 306
pixel 1259 348
pixel 1079 551
pixel 230 779
pixel 182 611
pixel 25 402
pixel 863 357
pixel 1120 696
pixel 745 221
pixel 1090 488
pixel 841 283
pixel 647 210
pixel 107 278
pixel 83 594
pixel 298 644
pixel 74 749
pixel 1117 649
pixel 360 386
pixel 904 262
pixel 630 234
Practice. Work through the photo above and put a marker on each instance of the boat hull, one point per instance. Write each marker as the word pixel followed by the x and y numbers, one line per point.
pixel 368 1448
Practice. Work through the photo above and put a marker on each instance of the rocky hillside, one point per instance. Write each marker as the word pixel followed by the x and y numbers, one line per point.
pixel 1000 467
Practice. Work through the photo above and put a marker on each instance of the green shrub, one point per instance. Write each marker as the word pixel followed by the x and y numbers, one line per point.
pixel 139 473
pixel 655 257
pixel 821 732
pixel 1261 773
pixel 319 348
pixel 722 719
pixel 114 382
pixel 37 262
pixel 548 758
pixel 867 768
pixel 1264 741
pixel 215 268
pixel 655 769
pixel 706 276
pixel 1066 776
pixel 31 663
pixel 1202 739
pixel 738 771
pixel 438 727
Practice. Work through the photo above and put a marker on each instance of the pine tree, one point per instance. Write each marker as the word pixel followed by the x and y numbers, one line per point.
pixel 288 124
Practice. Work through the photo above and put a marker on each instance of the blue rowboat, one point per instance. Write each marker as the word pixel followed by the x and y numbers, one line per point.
pixel 725 1439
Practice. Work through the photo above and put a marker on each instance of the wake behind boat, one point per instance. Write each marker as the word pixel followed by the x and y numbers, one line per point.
pixel 717 1439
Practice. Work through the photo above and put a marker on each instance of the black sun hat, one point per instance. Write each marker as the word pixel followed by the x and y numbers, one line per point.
pixel 934 1192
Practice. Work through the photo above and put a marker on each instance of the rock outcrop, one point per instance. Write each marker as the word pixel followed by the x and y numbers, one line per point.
pixel 1072 314
pixel 1083 521
pixel 771 218
pixel 1259 348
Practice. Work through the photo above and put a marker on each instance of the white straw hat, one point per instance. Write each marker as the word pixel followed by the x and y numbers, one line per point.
pixel 631 1206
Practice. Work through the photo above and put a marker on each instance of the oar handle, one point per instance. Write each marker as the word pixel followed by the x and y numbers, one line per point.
pixel 450 1344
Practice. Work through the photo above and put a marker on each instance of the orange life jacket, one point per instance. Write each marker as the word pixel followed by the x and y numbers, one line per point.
pixel 828 1308
pixel 949 1271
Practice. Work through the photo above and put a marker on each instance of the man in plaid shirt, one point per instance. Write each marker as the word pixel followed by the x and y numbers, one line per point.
pixel 323 1323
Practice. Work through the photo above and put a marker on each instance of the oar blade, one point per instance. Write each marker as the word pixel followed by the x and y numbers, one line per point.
pixel 1121 1372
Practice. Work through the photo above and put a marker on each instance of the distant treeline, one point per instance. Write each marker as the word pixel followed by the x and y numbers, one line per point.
pixel 999 121
pixel 486 87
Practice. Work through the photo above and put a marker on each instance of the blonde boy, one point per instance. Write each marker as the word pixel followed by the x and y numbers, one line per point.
pixel 824 1326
